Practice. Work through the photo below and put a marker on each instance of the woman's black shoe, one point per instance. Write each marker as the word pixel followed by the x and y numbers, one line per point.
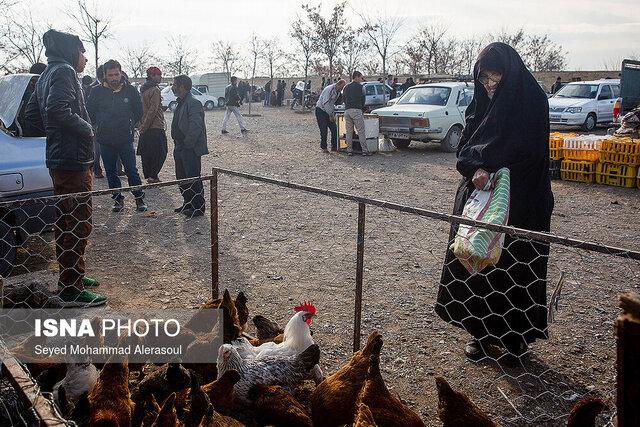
pixel 473 350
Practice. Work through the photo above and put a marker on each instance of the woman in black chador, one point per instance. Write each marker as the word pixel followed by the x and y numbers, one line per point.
pixel 507 125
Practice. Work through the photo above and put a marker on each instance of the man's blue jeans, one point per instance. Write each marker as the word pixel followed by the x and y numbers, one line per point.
pixel 266 98
pixel 127 154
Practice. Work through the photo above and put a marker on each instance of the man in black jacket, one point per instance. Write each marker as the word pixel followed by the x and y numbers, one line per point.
pixel 114 108
pixel 190 138
pixel 232 101
pixel 57 106
pixel 354 104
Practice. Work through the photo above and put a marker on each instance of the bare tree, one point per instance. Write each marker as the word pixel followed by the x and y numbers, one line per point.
pixel 181 59
pixel 329 33
pixel 468 50
pixel 414 56
pixel 541 54
pixel 271 53
pixel 302 34
pixel 516 40
pixel 255 46
pixel 23 38
pixel 226 56
pixel 432 37
pixel 381 30
pixel 139 59
pixel 93 24
pixel 353 52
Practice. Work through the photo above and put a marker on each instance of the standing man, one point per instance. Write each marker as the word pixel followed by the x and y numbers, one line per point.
pixel 57 106
pixel 152 145
pixel 324 114
pixel 232 101
pixel 87 83
pixel 190 139
pixel 353 106
pixel 114 108
pixel 557 85
pixel 267 93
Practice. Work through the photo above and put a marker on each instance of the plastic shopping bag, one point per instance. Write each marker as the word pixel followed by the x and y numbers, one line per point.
pixel 476 248
pixel 386 146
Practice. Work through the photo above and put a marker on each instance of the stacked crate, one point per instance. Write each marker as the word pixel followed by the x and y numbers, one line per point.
pixel 556 141
pixel 619 160
pixel 580 154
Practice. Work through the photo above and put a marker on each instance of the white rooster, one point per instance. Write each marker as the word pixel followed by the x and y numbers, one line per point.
pixel 297 338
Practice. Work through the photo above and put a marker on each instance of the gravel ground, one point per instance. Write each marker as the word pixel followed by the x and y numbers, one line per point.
pixel 282 246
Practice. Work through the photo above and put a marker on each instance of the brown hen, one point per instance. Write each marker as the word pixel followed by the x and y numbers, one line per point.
pixel 110 400
pixel 334 400
pixel 167 416
pixel 364 417
pixel 220 392
pixel 387 410
pixel 584 412
pixel 456 409
pixel 274 406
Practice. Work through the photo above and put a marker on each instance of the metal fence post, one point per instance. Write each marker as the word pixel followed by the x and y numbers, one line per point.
pixel 359 270
pixel 214 233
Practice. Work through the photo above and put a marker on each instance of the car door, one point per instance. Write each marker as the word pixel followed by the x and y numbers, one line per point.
pixel 198 95
pixel 464 99
pixel 371 96
pixel 605 102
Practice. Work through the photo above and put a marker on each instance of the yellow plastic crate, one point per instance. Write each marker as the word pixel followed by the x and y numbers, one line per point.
pixel 556 140
pixel 622 151
pixel 583 155
pixel 579 171
pixel 584 148
pixel 617 175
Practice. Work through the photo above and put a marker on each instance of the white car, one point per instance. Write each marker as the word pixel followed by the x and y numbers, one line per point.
pixel 584 103
pixel 374 93
pixel 170 101
pixel 427 112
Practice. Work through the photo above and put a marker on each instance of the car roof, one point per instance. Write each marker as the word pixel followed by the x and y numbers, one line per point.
pixel 597 82
pixel 12 89
pixel 443 84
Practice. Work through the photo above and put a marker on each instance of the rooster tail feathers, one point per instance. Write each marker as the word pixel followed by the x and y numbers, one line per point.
pixel 242 298
pixel 374 366
pixel 311 356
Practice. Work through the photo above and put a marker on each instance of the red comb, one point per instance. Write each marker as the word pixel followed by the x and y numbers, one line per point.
pixel 306 306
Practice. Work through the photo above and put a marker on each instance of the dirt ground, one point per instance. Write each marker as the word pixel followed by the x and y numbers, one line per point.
pixel 282 246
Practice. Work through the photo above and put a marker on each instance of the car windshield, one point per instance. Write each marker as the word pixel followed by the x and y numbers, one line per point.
pixel 166 89
pixel 577 91
pixel 426 96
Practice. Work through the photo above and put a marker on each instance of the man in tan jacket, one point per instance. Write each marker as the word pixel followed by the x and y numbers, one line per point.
pixel 152 145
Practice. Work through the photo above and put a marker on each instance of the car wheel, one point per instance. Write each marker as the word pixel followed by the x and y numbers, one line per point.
pixel 7 248
pixel 450 142
pixel 209 105
pixel 221 102
pixel 173 105
pixel 590 122
pixel 401 143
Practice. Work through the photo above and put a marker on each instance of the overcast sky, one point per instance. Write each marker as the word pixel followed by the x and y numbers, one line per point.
pixel 594 33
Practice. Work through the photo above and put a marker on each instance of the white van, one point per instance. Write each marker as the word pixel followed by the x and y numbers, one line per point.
pixel 584 103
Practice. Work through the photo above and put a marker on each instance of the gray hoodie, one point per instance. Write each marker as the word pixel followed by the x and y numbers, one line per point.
pixel 328 99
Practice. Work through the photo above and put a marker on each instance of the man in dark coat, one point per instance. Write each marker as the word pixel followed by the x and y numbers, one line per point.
pixel 557 85
pixel 190 138
pixel 152 145
pixel 57 106
pixel 232 99
pixel 505 304
pixel 267 92
pixel 115 107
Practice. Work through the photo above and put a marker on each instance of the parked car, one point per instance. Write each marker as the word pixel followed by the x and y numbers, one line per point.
pixel 169 100
pixel 373 92
pixel 584 103
pixel 23 175
pixel 427 112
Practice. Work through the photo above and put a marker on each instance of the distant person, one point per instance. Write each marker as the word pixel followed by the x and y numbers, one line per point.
pixel 115 108
pixel 87 82
pixel 232 102
pixel 308 86
pixel 324 81
pixel 354 106
pixel 267 93
pixel 25 125
pixel 557 85
pixel 152 144
pixel 189 135
pixel 57 106
pixel 324 114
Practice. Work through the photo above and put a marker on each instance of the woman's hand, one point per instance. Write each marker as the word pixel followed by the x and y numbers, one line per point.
pixel 480 178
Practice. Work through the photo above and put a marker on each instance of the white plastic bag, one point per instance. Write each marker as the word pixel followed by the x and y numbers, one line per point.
pixel 386 146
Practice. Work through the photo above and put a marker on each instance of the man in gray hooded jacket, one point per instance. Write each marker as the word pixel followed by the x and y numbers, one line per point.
pixel 57 106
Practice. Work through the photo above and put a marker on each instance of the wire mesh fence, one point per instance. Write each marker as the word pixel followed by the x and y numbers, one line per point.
pixel 281 243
